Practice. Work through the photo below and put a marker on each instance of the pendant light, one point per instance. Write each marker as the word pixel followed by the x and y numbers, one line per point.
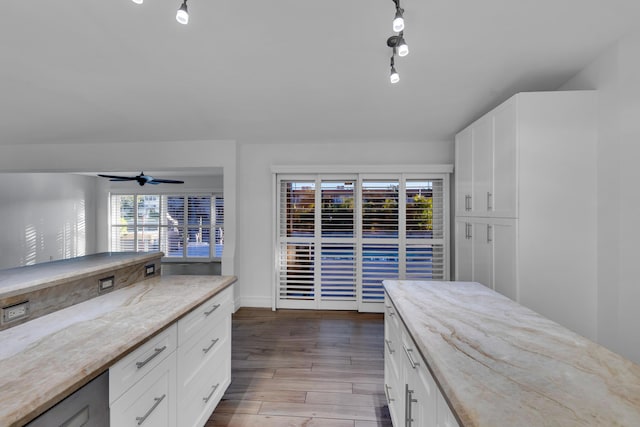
pixel 182 16
pixel 137 1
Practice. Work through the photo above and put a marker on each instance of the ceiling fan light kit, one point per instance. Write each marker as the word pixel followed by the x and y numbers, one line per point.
pixel 397 42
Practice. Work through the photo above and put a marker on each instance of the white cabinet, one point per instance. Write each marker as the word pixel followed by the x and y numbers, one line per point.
pixel 463 171
pixel 151 401
pixel 411 391
pixel 486 253
pixel 532 211
pixel 177 377
pixel 204 359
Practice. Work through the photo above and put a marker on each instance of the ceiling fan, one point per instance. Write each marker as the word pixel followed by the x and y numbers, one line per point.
pixel 142 179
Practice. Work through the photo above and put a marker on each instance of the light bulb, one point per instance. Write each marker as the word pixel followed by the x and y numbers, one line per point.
pixel 394 77
pixel 398 21
pixel 182 16
pixel 403 49
pixel 137 1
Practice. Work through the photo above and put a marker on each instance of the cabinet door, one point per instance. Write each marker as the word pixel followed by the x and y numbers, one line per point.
pixel 482 237
pixel 482 168
pixel 463 172
pixel 504 257
pixel 421 395
pixel 503 199
pixel 463 250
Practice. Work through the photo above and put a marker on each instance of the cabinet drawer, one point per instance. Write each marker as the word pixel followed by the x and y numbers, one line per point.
pixel 206 314
pixel 135 365
pixel 199 401
pixel 196 353
pixel 151 401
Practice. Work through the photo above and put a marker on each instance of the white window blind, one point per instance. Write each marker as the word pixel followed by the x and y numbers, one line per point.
pixel 180 225
pixel 338 238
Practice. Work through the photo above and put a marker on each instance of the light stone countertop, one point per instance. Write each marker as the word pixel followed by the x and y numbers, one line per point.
pixel 33 277
pixel 46 359
pixel 501 364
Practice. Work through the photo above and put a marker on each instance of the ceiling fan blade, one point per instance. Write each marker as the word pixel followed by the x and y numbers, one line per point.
pixel 123 178
pixel 165 181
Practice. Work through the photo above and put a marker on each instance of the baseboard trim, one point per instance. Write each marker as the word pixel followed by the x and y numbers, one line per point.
pixel 257 302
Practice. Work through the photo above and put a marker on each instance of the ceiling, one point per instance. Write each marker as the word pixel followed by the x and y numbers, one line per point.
pixel 282 70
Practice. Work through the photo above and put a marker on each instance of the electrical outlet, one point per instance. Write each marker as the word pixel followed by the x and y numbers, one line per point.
pixel 15 312
pixel 149 270
pixel 106 284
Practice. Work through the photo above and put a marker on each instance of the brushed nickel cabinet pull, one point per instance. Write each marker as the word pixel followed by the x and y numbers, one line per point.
pixel 213 342
pixel 489 230
pixel 489 201
pixel 408 351
pixel 387 394
pixel 215 307
pixel 213 390
pixel 389 346
pixel 157 351
pixel 142 419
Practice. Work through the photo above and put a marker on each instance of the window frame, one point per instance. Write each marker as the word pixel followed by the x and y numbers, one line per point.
pixel 442 174
pixel 214 226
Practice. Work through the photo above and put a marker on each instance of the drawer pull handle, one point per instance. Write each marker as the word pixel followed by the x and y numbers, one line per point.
pixel 215 307
pixel 387 394
pixel 213 342
pixel 213 390
pixel 156 352
pixel 142 419
pixel 408 401
pixel 389 346
pixel 391 312
pixel 408 351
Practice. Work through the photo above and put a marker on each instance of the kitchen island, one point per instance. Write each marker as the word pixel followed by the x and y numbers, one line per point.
pixel 46 359
pixel 497 363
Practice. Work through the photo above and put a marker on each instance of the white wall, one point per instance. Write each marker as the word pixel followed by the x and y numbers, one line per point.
pixel 255 198
pixel 46 217
pixel 203 156
pixel 616 75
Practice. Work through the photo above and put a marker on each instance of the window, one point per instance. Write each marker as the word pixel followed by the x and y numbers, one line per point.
pixel 339 237
pixel 183 226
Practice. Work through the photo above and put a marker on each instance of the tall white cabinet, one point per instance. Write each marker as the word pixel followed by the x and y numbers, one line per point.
pixel 525 204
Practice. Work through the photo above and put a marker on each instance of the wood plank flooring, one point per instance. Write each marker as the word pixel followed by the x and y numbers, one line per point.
pixel 295 368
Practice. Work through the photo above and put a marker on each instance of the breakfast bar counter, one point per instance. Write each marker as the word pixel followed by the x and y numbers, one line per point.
pixel 48 358
pixel 498 363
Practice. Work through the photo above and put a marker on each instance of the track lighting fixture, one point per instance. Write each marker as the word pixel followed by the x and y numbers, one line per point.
pixel 397 43
pixel 182 16
pixel 394 77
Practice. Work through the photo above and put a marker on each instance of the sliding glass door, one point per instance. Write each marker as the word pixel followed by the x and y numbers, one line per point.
pixel 339 236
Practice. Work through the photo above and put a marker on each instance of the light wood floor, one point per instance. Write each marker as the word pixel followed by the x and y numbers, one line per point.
pixel 306 368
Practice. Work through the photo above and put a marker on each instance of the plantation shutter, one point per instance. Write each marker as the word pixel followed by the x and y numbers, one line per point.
pixel 296 232
pixel 380 228
pixel 425 254
pixel 338 239
pixel 337 257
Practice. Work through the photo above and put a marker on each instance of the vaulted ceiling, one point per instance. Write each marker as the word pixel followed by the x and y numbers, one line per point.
pixel 282 70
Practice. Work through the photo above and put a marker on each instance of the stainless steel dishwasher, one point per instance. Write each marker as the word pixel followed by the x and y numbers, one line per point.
pixel 86 407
